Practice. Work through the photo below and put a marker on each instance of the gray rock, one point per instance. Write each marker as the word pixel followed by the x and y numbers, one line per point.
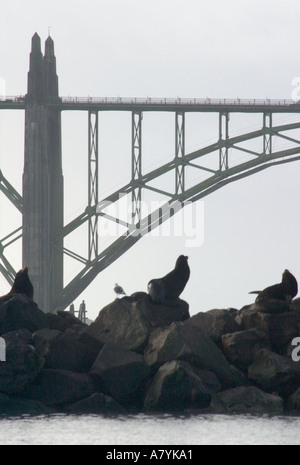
pixel 63 320
pixel 274 373
pixel 273 306
pixel 128 322
pixel 13 406
pixel 18 312
pixel 215 323
pixel 241 347
pixel 246 400
pixel 188 343
pixel 72 351
pixel 59 387
pixel 96 404
pixel 43 338
pixel 119 373
pixel 178 386
pixel 281 328
pixel 248 318
pixel 23 363
pixel 293 402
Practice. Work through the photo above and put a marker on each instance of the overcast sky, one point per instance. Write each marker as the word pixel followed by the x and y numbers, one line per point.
pixel 166 48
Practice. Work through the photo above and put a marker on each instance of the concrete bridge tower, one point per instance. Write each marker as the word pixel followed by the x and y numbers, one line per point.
pixel 43 179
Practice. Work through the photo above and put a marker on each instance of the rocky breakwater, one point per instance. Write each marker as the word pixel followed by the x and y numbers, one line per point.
pixel 144 356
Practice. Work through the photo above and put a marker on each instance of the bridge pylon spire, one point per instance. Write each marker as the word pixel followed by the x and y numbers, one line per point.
pixel 43 178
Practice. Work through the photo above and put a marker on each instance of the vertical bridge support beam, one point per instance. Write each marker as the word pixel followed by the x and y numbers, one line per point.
pixel 136 166
pixel 43 179
pixel 93 189
pixel 267 128
pixel 223 141
pixel 179 152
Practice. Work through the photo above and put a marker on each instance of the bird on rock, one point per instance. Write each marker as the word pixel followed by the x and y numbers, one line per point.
pixel 119 290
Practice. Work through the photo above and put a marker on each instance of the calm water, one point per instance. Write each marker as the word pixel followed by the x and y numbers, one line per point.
pixel 149 430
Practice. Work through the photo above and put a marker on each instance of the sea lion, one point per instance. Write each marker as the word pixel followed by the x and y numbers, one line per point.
pixel 170 286
pixel 286 290
pixel 22 284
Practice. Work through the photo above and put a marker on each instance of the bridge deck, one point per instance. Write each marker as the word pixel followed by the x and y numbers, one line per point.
pixel 162 104
pixel 12 103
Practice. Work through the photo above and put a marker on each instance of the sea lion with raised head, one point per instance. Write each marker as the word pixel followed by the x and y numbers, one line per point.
pixel 170 286
pixel 22 284
pixel 286 290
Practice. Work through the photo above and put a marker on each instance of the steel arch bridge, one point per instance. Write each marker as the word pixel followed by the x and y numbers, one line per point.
pixel 212 162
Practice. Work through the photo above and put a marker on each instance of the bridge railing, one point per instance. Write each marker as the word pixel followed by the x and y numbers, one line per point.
pixel 178 101
pixel 119 101
pixel 12 99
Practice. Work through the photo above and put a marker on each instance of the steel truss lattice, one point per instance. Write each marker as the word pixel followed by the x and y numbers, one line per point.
pixel 267 127
pixel 15 198
pixel 93 188
pixel 179 152
pixel 136 165
pixel 175 198
pixel 223 140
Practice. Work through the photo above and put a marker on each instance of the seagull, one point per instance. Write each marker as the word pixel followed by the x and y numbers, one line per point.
pixel 119 290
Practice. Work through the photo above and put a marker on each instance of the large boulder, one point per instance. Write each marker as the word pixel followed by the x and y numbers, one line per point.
pixel 43 338
pixel 120 373
pixel 273 306
pixel 177 386
pixel 240 347
pixel 293 402
pixel 246 400
pixel 128 322
pixel 216 323
pixel 22 364
pixel 248 317
pixel 281 328
pixel 187 342
pixel 62 321
pixel 274 373
pixel 72 350
pixel 18 311
pixel 96 404
pixel 16 406
pixel 57 388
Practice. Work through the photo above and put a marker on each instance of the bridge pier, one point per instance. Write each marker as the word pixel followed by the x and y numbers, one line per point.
pixel 43 179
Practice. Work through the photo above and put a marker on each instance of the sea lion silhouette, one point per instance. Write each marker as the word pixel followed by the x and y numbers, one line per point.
pixel 22 284
pixel 170 286
pixel 286 290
